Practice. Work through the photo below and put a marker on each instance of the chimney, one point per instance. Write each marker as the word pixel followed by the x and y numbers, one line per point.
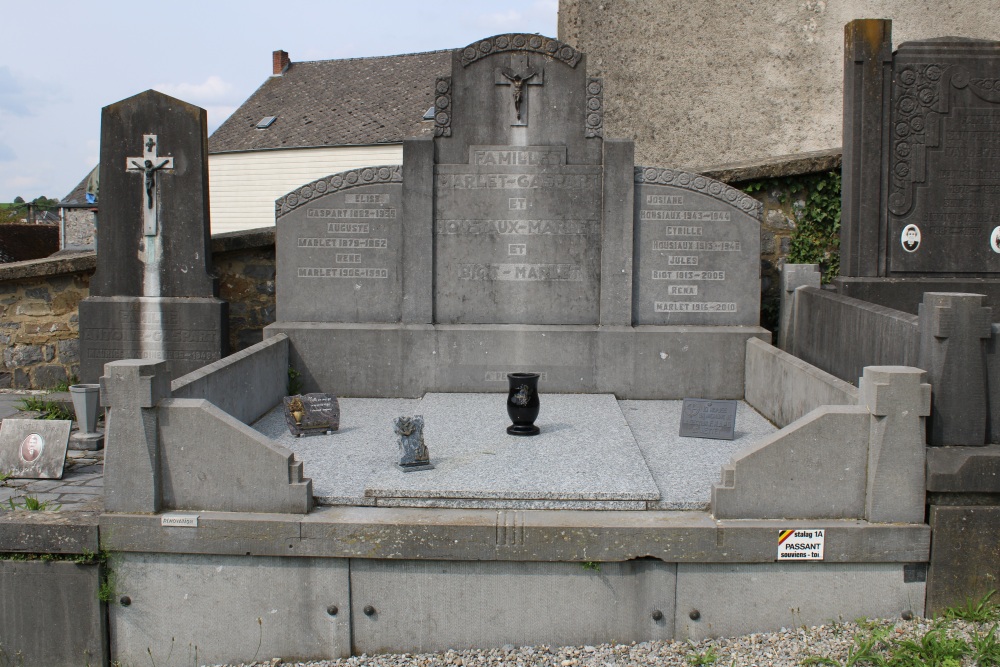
pixel 280 62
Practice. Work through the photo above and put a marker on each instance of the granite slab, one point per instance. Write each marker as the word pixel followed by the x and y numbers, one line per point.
pixel 339 464
pixel 594 453
pixel 686 468
pixel 585 452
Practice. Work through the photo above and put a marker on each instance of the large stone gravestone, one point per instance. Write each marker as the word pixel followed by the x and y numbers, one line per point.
pixel 152 296
pixel 518 238
pixel 921 186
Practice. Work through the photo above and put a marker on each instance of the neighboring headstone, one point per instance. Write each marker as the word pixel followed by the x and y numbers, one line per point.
pixel 697 250
pixel 34 448
pixel 703 418
pixel 413 454
pixel 921 187
pixel 312 414
pixel 152 296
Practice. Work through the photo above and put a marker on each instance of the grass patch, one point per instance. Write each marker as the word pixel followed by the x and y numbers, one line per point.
pixel 33 504
pixel 45 409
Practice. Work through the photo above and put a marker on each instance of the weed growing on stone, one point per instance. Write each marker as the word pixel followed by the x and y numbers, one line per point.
pixel 943 645
pixel 707 657
pixel 975 611
pixel 591 565
pixel 46 409
pixel 33 504
pixel 10 660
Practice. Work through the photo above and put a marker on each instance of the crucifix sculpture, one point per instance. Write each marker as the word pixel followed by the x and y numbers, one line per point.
pixel 148 164
pixel 518 75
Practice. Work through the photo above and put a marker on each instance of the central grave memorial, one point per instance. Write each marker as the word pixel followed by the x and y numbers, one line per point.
pixel 518 239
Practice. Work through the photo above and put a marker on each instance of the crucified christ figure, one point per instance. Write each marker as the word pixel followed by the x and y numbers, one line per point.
pixel 150 172
pixel 517 85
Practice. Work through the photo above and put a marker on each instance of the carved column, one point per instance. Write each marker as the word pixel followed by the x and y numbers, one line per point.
pixel 793 276
pixel 867 76
pixel 898 399
pixel 131 389
pixel 954 330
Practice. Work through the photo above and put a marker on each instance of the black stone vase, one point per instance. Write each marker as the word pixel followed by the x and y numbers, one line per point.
pixel 522 403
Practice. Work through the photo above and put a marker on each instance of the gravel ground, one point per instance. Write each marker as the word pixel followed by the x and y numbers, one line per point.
pixel 786 647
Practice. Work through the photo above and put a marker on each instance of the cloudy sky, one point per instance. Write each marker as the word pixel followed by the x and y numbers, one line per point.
pixel 62 60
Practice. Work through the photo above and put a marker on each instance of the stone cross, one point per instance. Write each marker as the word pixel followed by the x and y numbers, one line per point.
pixel 149 163
pixel 518 75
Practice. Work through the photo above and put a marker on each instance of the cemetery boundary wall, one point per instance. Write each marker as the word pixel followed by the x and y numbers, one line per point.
pixel 39 298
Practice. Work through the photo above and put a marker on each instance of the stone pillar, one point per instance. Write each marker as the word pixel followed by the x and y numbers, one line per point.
pixel 954 330
pixel 898 399
pixel 418 230
pixel 793 276
pixel 131 389
pixel 867 68
pixel 616 233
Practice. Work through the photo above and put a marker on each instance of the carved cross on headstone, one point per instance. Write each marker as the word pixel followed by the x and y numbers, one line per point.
pixel 148 164
pixel 519 75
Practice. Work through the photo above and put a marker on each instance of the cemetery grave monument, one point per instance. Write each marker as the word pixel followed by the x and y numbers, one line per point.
pixel 152 296
pixel 517 239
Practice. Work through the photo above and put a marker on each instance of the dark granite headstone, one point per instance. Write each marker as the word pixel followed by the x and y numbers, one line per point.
pixel 921 187
pixel 339 243
pixel 413 453
pixel 312 414
pixel 151 296
pixel 697 250
pixel 703 418
pixel 34 448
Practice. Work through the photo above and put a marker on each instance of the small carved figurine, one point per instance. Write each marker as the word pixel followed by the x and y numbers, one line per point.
pixel 413 452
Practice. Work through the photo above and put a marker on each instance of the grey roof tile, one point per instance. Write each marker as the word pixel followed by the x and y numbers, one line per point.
pixel 356 101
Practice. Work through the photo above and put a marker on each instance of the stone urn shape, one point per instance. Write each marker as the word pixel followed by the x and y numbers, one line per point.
pixel 87 405
pixel 522 403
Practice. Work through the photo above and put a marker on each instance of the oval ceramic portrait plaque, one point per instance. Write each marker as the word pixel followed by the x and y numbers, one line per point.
pixel 910 238
pixel 31 448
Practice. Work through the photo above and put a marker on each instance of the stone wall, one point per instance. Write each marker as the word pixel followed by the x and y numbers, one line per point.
pixel 80 227
pixel 703 83
pixel 39 329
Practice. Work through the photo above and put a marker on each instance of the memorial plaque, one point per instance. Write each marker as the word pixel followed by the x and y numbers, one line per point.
pixel 944 158
pixel 697 251
pixel 312 414
pixel 517 237
pixel 34 448
pixel 339 246
pixel 703 418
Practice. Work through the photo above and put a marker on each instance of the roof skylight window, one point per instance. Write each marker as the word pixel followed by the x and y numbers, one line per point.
pixel 429 114
pixel 266 122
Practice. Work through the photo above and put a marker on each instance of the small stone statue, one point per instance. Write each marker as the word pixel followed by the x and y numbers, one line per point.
pixel 413 452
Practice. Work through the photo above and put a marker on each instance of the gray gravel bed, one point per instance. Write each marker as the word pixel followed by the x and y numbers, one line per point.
pixel 785 648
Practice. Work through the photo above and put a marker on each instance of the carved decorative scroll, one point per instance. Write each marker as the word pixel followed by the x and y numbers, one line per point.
pixel 335 182
pixel 702 184
pixel 521 42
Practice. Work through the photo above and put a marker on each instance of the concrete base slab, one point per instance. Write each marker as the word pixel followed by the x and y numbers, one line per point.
pixel 716 600
pixel 686 468
pixel 50 615
pixel 195 610
pixel 423 606
pixel 86 441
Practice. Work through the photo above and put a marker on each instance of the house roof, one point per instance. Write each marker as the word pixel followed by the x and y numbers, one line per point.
pixel 356 101
pixel 77 197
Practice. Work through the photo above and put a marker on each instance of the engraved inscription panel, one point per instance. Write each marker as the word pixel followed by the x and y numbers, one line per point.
pixel 696 258
pixel 339 256
pixel 944 165
pixel 185 333
pixel 517 238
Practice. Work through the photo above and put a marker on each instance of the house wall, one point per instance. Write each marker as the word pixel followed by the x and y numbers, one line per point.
pixel 705 83
pixel 243 186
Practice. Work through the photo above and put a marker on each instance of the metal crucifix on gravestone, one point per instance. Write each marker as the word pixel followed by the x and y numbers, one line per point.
pixel 517 75
pixel 148 164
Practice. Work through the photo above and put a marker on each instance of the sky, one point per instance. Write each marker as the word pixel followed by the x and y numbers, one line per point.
pixel 63 60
